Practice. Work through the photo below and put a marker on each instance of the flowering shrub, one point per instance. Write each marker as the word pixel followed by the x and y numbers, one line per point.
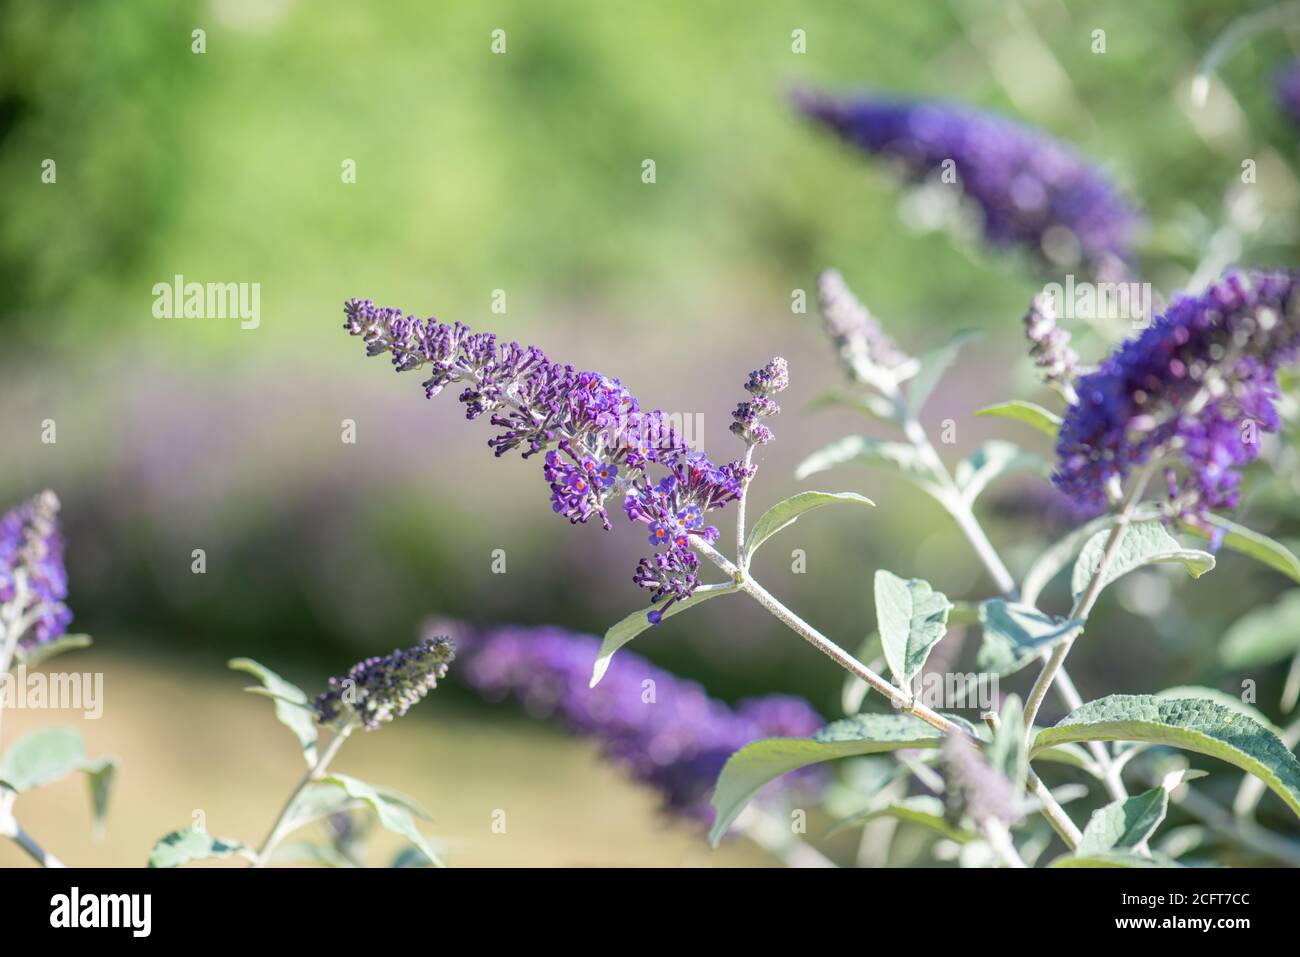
pixel 373 693
pixel 1186 398
pixel 1155 442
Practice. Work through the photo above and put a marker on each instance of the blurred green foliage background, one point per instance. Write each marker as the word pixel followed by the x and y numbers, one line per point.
pixel 522 172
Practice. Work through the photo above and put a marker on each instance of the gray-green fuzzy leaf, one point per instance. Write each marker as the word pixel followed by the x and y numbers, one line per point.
pixel 868 403
pixel 787 512
pixel 1229 701
pixel 180 847
pixel 1145 543
pixel 1247 541
pixel 51 754
pixel 1124 825
pixel 637 622
pixel 291 707
pixel 1114 859
pixel 756 764
pixel 897 457
pixel 923 809
pixel 1015 634
pixel 991 461
pixel 1049 423
pixel 393 816
pixel 1192 724
pixel 912 618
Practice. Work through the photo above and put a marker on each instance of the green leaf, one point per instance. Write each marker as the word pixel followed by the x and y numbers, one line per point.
pixel 187 844
pixel 1049 423
pixel 1015 635
pixel 1007 752
pixel 1264 635
pixel 1142 544
pixel 757 763
pixel 304 851
pixel 1229 701
pixel 923 809
pixel 42 757
pixel 912 617
pixel 637 622
pixel 868 403
pixel 318 800
pixel 1124 825
pixel 31 657
pixel 290 704
pixel 1192 724
pixel 100 775
pixel 1071 755
pixel 1056 556
pixel 1113 860
pixel 410 857
pixel 991 461
pixel 51 754
pixel 932 365
pixel 1253 544
pixel 392 816
pixel 787 512
pixel 897 457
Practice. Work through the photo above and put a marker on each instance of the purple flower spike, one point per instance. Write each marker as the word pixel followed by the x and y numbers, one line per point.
pixel 381 689
pixel 667 732
pixel 597 440
pixel 1199 384
pixel 1032 190
pixel 32 571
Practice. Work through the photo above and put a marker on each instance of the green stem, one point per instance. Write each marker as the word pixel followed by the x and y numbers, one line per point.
pixel 741 557
pixel 964 515
pixel 1085 603
pixel 900 699
pixel 314 773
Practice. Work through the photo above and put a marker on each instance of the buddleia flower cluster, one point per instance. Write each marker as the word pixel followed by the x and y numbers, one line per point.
pixel 973 788
pixel 858 337
pixel 33 580
pixel 1032 191
pixel 666 731
pixel 380 689
pixel 1197 386
pixel 597 441
pixel 1049 345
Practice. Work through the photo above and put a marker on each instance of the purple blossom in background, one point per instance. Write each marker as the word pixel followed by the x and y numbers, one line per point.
pixel 1198 384
pixel 1287 89
pixel 1034 192
pixel 598 441
pixel 1049 344
pixel 972 787
pixel 666 731
pixel 383 688
pixel 856 334
pixel 31 569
